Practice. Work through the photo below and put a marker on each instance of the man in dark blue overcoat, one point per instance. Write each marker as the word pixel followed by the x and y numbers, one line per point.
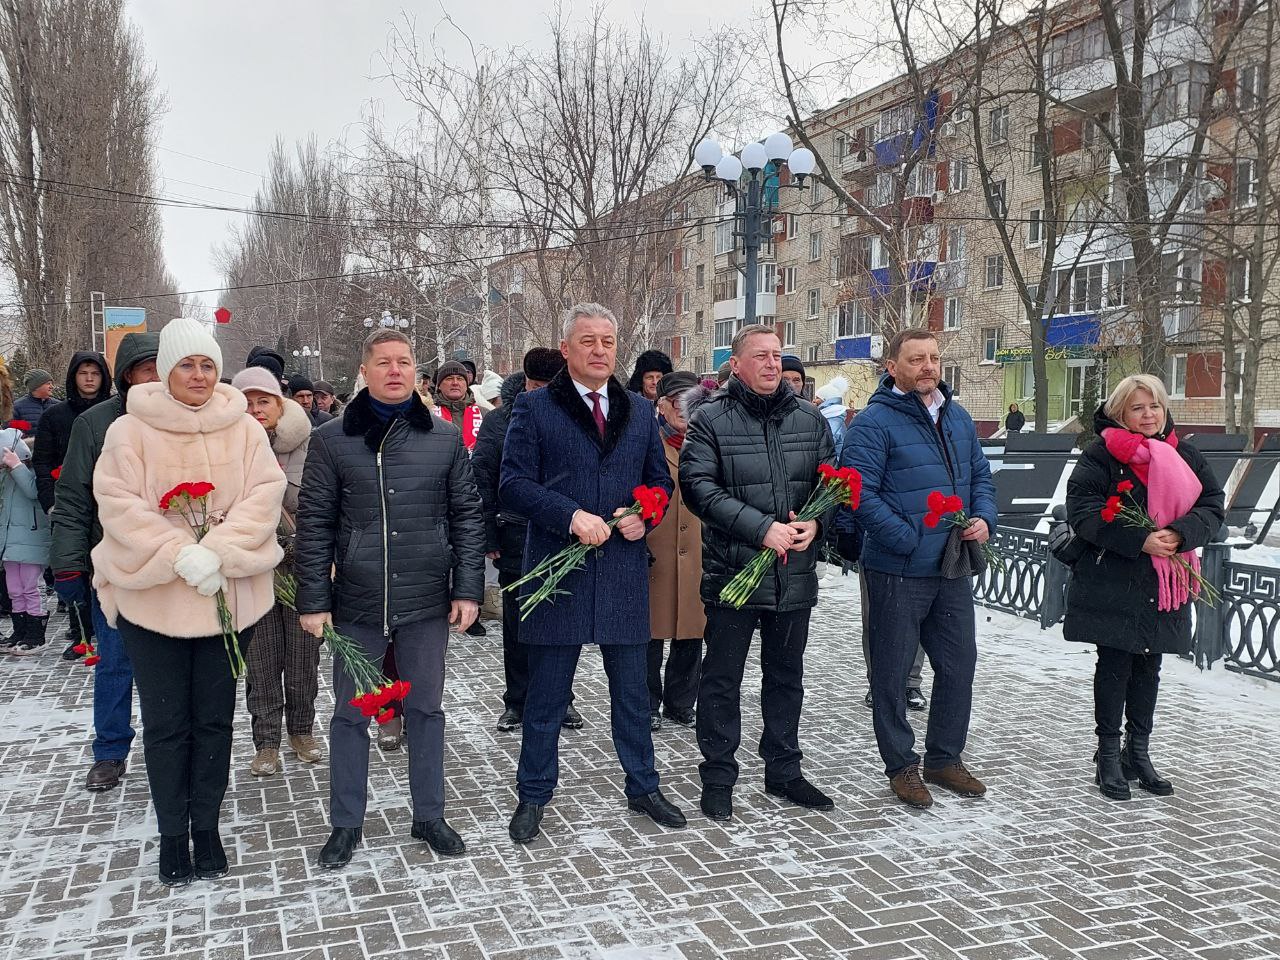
pixel 574 453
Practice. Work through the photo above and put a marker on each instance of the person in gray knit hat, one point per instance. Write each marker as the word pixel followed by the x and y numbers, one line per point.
pixel 39 398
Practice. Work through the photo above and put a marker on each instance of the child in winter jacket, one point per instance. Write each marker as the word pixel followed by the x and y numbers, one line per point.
pixel 24 543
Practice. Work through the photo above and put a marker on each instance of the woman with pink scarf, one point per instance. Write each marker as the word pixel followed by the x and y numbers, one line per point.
pixel 1128 594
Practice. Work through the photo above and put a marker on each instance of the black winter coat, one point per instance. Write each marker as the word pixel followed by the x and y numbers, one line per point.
pixel 1111 599
pixel 55 426
pixel 747 461
pixel 504 530
pixel 393 505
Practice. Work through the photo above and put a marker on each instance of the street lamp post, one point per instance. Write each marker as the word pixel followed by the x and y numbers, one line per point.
pixel 304 357
pixel 750 211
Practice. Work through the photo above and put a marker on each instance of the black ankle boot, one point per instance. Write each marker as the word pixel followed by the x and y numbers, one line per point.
pixel 211 860
pixel 175 860
pixel 1110 777
pixel 1136 763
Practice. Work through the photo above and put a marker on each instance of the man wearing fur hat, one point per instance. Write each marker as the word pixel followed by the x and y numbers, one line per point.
pixel 651 366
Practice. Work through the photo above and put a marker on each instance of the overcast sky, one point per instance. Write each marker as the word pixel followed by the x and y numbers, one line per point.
pixel 238 73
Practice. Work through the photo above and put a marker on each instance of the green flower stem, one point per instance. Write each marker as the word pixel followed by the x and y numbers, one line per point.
pixel 364 673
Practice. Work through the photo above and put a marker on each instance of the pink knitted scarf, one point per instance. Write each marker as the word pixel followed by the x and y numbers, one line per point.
pixel 1172 490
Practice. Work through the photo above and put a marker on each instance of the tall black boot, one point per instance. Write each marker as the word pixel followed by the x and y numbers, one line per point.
pixel 32 639
pixel 19 632
pixel 1110 777
pixel 211 860
pixel 1136 762
pixel 175 860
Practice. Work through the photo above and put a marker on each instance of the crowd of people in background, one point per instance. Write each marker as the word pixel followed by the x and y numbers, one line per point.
pixel 389 508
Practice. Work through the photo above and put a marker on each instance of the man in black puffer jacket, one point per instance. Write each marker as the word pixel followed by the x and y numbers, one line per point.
pixel 388 496
pixel 88 384
pixel 748 463
pixel 505 531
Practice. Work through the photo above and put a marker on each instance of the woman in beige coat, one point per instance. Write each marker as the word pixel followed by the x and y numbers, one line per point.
pixel 158 585
pixel 282 676
pixel 676 612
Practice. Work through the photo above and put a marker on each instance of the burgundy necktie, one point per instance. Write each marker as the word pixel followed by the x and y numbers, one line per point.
pixel 596 413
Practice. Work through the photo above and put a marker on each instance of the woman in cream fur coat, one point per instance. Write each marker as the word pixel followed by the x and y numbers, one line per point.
pixel 157 584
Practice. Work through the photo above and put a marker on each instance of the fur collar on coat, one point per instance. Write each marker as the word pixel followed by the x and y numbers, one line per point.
pixel 152 404
pixel 293 429
pixel 566 396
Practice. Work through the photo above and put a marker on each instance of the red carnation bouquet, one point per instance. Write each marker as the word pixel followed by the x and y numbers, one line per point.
pixel 1136 516
pixel 650 504
pixel 191 501
pixel 951 508
pixel 835 486
pixel 374 692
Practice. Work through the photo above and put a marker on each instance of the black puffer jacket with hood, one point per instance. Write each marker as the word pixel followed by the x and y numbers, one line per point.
pixel 74 519
pixel 55 425
pixel 504 530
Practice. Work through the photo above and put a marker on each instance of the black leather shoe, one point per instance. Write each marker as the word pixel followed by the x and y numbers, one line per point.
pixel 685 718
pixel 1135 761
pixel 655 722
pixel 508 721
pixel 572 719
pixel 717 803
pixel 526 822
pixel 800 792
pixel 441 837
pixel 175 861
pixel 477 629
pixel 336 853
pixel 210 859
pixel 658 808
pixel 916 700
pixel 104 775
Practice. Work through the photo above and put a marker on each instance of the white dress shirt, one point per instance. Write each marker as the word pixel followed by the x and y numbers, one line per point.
pixel 604 397
pixel 934 406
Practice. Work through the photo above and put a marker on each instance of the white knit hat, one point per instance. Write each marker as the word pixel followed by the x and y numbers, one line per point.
pixel 836 388
pixel 184 337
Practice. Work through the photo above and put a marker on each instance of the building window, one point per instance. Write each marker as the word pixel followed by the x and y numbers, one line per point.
pixel 724 333
pixel 788 333
pixel 697 322
pixel 815 304
pixel 700 362
pixel 998 125
pixel 995 271
pixel 958 175
pixel 953 313
pixel 1035 151
pixel 724 237
pixel 1177 379
pixel 838 149
pixel 1246 183
pixel 1249 86
pixel 1239 280
pixel 700 277
pixel 951 375
pixel 852 320
pixel 1118 282
pixel 1086 288
pixel 990 344
pixel 815 247
pixel 699 232
pixel 1035 227
pixel 811 354
pixel 788 279
pixel 815 191
pixel 955 244
pixel 793 226
pixel 1000 197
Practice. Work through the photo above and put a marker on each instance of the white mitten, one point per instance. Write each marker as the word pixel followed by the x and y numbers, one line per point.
pixel 211 585
pixel 195 564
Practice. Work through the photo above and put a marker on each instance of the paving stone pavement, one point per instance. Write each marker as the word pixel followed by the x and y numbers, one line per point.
pixel 1043 867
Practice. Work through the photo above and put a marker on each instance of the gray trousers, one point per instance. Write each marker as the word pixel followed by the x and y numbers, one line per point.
pixel 917 666
pixel 420 650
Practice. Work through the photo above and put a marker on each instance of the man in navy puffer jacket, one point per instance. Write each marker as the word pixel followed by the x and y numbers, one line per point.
pixel 911 439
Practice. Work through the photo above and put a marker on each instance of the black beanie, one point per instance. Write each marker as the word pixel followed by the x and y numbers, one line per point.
pixel 542 364
pixel 267 359
pixel 648 362
pixel 791 362
pixel 450 368
pixel 298 383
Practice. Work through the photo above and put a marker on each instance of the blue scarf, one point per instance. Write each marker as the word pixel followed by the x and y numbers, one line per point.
pixel 387 411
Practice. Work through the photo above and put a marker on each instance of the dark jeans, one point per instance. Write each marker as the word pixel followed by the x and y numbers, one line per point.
pixel 551 670
pixel 906 613
pixel 916 677
pixel 783 637
pixel 112 692
pixel 420 649
pixel 684 666
pixel 1125 685
pixel 187 697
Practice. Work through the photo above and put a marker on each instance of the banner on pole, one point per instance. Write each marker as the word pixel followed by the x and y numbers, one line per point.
pixel 120 321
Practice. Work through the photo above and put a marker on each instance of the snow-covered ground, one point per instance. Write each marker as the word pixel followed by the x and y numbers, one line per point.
pixel 1042 867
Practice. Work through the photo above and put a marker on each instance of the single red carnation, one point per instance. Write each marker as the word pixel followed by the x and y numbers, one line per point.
pixel 936 502
pixel 386 716
pixel 931 520
pixel 92 661
pixel 1124 486
pixel 198 489
pixel 954 504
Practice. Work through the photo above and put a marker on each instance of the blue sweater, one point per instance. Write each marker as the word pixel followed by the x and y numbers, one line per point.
pixel 902 456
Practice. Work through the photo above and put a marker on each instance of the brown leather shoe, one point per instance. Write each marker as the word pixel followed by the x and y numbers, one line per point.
pixel 956 779
pixel 908 788
pixel 104 775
